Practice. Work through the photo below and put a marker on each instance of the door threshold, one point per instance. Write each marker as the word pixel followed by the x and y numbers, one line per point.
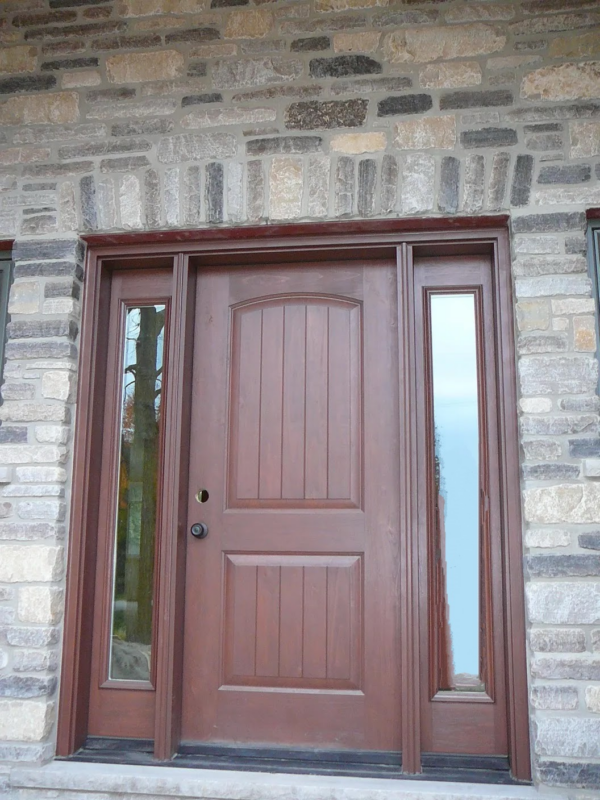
pixel 300 761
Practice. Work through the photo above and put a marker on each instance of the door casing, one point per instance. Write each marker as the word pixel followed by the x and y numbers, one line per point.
pixel 183 252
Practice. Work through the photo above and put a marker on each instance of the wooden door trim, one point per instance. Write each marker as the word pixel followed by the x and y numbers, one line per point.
pixel 185 249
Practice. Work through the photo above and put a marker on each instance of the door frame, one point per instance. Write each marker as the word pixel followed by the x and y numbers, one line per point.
pixel 183 251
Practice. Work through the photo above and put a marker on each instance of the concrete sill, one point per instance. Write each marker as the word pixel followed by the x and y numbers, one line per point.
pixel 68 779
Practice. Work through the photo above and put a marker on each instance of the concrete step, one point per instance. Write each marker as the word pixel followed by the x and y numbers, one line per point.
pixel 82 781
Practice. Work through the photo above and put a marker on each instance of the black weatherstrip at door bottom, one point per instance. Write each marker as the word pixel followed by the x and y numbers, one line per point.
pixel 353 763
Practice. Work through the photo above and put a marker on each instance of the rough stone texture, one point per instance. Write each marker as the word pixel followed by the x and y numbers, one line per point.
pixel 141 67
pixel 585 139
pixel 562 82
pixel 557 640
pixel 357 143
pixel 450 75
pixel 564 603
pixel 434 43
pixel 315 115
pixel 52 108
pixel 249 24
pixel 254 72
pixel 25 720
pixel 417 192
pixel 555 698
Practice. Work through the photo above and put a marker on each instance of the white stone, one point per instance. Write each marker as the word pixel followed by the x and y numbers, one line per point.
pixel 591 467
pixel 26 454
pixel 106 201
pixel 15 411
pixel 573 306
pixel 3 659
pixel 418 177
pixel 319 169
pixel 285 187
pixel 130 202
pixel 61 306
pixel 53 510
pixel 592 698
pixel 575 737
pixel 535 405
pixel 52 434
pixel 40 605
pixel 560 195
pixel 25 720
pixel 560 324
pixel 24 297
pixel 573 503
pixel 34 490
pixel 547 537
pixel 235 191
pixel 544 245
pixel 31 563
pixel 564 603
pixel 549 285
pixel 214 118
pixel 5 474
pixel 172 204
pixel 58 385
pixel 41 474
pixel 67 207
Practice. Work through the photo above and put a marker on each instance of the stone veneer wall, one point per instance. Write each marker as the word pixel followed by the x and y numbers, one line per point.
pixel 163 114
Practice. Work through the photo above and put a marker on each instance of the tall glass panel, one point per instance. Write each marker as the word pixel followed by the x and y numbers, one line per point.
pixel 457 545
pixel 133 569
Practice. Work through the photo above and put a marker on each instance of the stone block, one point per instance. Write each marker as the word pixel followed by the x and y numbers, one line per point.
pixel 310 44
pixel 498 181
pixel 15 411
pixel 347 5
pixel 533 315
pixel 534 265
pixel 592 698
pixel 35 661
pixel 568 736
pixel 572 173
pixel 363 42
pixel 31 563
pixel 286 145
pixel 249 23
pixel 557 640
pixel 563 503
pixel 541 449
pixel 389 183
pixel 196 147
pixel 450 75
pixel 547 537
pixel 556 222
pixel 201 99
pixel 474 183
pixel 473 12
pixel 569 566
pixel 585 139
pixel 522 177
pixel 554 698
pixel 42 605
pixel 405 104
pixel 417 183
pixel 218 117
pixel 20 687
pixel 553 285
pixel 315 115
pixel 32 637
pixel 367 179
pixel 476 99
pixel 563 603
pixel 357 143
pixel 558 425
pixel 344 186
pixel 143 8
pixel 535 405
pixel 572 306
pixel 589 541
pixel 442 43
pixel 60 107
pixel 550 472
pixel 340 66
pixel 367 85
pixel 489 137
pixel 255 190
pixel 255 72
pixel 22 58
pixel 542 245
pixel 584 334
pixel 24 297
pixel 583 46
pixel 25 720
pixel 571 81
pixel 285 188
pixel 449 184
pixel 319 168
pixel 29 531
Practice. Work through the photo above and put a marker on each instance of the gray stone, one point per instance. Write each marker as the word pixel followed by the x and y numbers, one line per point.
pixel 389 184
pixel 589 541
pixel 87 194
pixel 541 449
pixel 279 91
pixel 193 35
pixel 255 72
pixel 489 137
pixel 417 183
pixel 214 192
pixel 367 85
pixel 198 70
pixel 57 170
pixel 338 22
pixel 555 426
pixel 62 289
pixel 312 114
pixel 42 330
pixel 58 133
pixel 193 195
pixel 27 83
pixel 579 403
pixel 105 148
pixel 395 19
pixel 548 566
pixel 318 186
pixel 152 198
pixel 255 191
pixel 142 127
pixel 344 186
pixel 553 285
pixel 29 753
pixel 498 181
pixel 576 244
pixel 521 184
pixel 404 104
pixel 341 66
pixel 543 343
pixel 107 43
pixel 544 142
pixel 29 19
pixel 584 448
pixel 550 472
pixel 552 24
pixel 200 99
pixel 367 178
pixel 43 223
pixel 476 99
pixel 25 687
pixel 16 351
pixel 69 63
pixel 32 637
pixel 449 185
pixel 35 661
pixel 310 44
pixel 196 147
pixel 555 698
pixel 12 434
pixel 573 173
pixel 112 95
pixel 549 374
pixel 284 144
pixel 47 269
pixel 534 265
pixel 474 184
pixel 555 222
pixel 53 32
pixel 574 111
pixel 557 640
pixel 259 47
pixel 564 603
pixel 48 249
pixel 583 775
pixel 568 736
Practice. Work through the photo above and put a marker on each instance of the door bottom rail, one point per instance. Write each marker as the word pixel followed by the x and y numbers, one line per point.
pixel 300 761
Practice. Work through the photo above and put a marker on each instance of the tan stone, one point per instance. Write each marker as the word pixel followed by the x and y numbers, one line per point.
pixel 17 59
pixel 40 605
pixel 347 5
pixel 364 42
pixel 255 23
pixel 584 334
pixel 143 67
pixel 576 46
pixel 425 133
pixel 585 139
pixel 562 82
pixel 23 155
pixel 285 188
pixel 144 8
pixel 533 315
pixel 159 23
pixel 480 12
pixel 431 44
pixel 356 143
pixel 566 502
pixel 83 77
pixel 25 720
pixel 450 74
pixel 511 62
pixel 57 108
pixel 218 50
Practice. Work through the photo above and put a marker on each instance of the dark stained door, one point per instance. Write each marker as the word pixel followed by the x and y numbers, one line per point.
pixel 292 622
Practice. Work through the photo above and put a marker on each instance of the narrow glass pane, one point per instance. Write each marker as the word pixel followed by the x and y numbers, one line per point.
pixel 456 432
pixel 136 498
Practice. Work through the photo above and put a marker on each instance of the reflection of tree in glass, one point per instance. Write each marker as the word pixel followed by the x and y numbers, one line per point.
pixel 136 522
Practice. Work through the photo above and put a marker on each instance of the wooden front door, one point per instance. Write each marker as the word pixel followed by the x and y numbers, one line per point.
pixel 292 600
